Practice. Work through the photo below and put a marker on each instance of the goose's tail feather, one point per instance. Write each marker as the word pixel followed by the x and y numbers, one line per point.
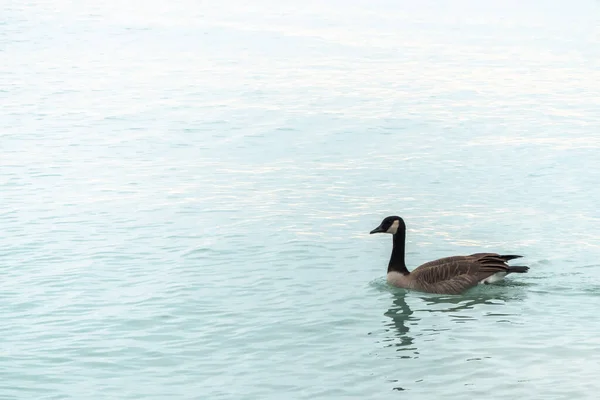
pixel 518 268
pixel 510 257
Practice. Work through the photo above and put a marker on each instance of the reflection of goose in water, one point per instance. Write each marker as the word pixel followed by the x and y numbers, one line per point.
pixel 483 297
pixel 402 316
pixel 404 330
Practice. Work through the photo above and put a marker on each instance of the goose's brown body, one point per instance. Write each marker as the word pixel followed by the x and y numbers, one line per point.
pixel 449 275
pixel 453 275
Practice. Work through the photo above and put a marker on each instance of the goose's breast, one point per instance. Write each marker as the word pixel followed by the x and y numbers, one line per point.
pixel 397 279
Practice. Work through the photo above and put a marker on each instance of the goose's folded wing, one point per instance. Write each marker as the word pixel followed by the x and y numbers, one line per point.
pixel 454 285
pixel 445 269
pixel 452 275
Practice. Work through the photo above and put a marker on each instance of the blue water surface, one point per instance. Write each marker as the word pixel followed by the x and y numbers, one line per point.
pixel 186 191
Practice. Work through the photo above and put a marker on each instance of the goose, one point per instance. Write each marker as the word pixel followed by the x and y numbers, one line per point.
pixel 449 275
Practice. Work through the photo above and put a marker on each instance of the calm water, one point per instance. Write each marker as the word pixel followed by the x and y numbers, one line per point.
pixel 186 192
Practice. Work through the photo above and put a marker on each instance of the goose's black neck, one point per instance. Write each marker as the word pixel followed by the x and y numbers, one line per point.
pixel 397 263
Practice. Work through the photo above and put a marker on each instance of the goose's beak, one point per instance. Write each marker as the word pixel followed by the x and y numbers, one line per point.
pixel 376 230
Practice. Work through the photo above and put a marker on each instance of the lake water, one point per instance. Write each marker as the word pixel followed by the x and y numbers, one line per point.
pixel 187 188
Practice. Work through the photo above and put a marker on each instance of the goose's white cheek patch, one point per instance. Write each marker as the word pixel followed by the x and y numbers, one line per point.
pixel 394 227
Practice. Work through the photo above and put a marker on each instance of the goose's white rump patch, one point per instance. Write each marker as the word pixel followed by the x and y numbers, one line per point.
pixel 498 276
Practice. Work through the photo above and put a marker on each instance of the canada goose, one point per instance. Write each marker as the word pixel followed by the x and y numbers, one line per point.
pixel 449 275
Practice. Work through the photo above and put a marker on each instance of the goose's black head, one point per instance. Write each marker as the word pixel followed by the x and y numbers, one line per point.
pixel 391 225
